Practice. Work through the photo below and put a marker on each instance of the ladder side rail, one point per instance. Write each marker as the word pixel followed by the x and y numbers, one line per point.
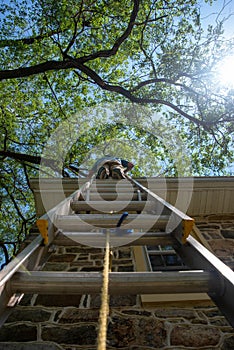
pixel 16 263
pixel 62 207
pixel 195 255
pixel 161 200
pixel 6 296
pixel 32 254
pixel 45 222
pixel 177 216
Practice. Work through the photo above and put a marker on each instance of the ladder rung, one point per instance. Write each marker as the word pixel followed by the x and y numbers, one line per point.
pixel 82 222
pixel 44 282
pixel 112 183
pixel 98 239
pixel 112 196
pixel 108 189
pixel 150 238
pixel 105 206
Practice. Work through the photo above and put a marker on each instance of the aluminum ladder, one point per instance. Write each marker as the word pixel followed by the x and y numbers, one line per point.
pixel 148 220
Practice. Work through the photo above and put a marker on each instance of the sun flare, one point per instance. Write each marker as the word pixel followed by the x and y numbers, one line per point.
pixel 225 70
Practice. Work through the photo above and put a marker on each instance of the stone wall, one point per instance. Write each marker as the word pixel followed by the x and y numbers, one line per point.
pixel 218 231
pixel 52 322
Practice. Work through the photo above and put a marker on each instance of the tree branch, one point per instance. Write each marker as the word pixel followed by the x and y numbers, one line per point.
pixel 69 62
pixel 126 93
pixel 77 63
pixel 119 41
pixel 36 168
pixel 54 94
pixel 22 157
pixel 153 81
pixel 27 41
pixel 36 69
pixel 16 205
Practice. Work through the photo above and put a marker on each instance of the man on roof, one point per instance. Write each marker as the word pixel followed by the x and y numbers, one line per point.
pixel 109 166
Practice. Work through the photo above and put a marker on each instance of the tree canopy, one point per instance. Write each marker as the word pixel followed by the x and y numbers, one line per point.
pixel 133 78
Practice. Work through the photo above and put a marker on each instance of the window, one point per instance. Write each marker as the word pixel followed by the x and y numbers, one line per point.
pixel 164 258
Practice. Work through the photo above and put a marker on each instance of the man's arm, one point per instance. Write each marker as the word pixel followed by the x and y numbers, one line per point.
pixel 127 165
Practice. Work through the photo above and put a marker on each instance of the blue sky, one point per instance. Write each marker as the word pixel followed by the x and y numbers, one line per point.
pixel 220 9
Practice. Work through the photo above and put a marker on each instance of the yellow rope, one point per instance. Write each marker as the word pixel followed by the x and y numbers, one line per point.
pixel 104 310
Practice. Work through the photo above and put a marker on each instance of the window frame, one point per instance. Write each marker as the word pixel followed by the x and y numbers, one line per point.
pixel 142 264
pixel 162 256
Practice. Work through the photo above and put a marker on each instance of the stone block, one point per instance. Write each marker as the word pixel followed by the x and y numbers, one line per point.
pixel 175 312
pixel 122 300
pixel 212 312
pixel 222 247
pixel 121 332
pixel 53 266
pixel 215 235
pixel 74 315
pixel 92 269
pixel 199 321
pixel 120 262
pixel 29 314
pixel 228 233
pixel 78 335
pixel 18 332
pixel 86 250
pixel 62 257
pixel 151 332
pixel 30 346
pixel 74 269
pixel 124 253
pixel 79 263
pixel 228 343
pixel 60 250
pixel 128 331
pixel 228 225
pixel 115 300
pixel 194 336
pixel 209 226
pixel 126 268
pixel 75 250
pixel 96 256
pixel 219 322
pixel 221 217
pixel 133 312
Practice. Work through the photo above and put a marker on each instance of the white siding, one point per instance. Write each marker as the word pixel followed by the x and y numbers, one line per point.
pixel 209 195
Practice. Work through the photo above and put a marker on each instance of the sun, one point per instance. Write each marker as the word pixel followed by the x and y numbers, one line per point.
pixel 225 72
